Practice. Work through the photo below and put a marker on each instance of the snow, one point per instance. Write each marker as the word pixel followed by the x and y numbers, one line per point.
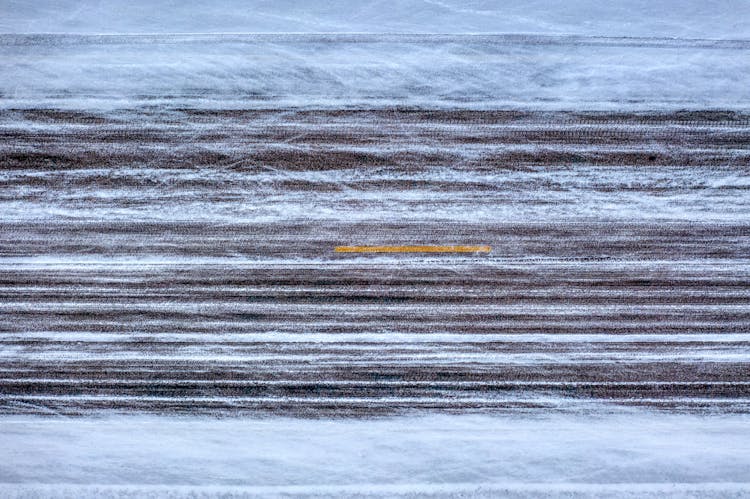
pixel 636 452
pixel 344 71
pixel 472 54
pixel 589 52
pixel 583 192
pixel 671 18
pixel 547 53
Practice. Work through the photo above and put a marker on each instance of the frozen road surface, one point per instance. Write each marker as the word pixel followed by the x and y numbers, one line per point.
pixel 175 320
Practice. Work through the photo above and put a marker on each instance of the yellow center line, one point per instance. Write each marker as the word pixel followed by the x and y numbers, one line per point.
pixel 413 249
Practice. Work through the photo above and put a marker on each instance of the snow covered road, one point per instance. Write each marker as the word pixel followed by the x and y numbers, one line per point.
pixel 174 320
pixel 181 260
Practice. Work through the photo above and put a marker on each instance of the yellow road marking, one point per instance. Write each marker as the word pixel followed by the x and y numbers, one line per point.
pixel 413 249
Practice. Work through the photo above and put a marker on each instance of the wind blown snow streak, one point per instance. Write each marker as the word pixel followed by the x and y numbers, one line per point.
pixel 164 256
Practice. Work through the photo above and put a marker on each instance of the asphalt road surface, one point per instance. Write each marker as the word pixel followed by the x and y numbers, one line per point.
pixel 181 261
